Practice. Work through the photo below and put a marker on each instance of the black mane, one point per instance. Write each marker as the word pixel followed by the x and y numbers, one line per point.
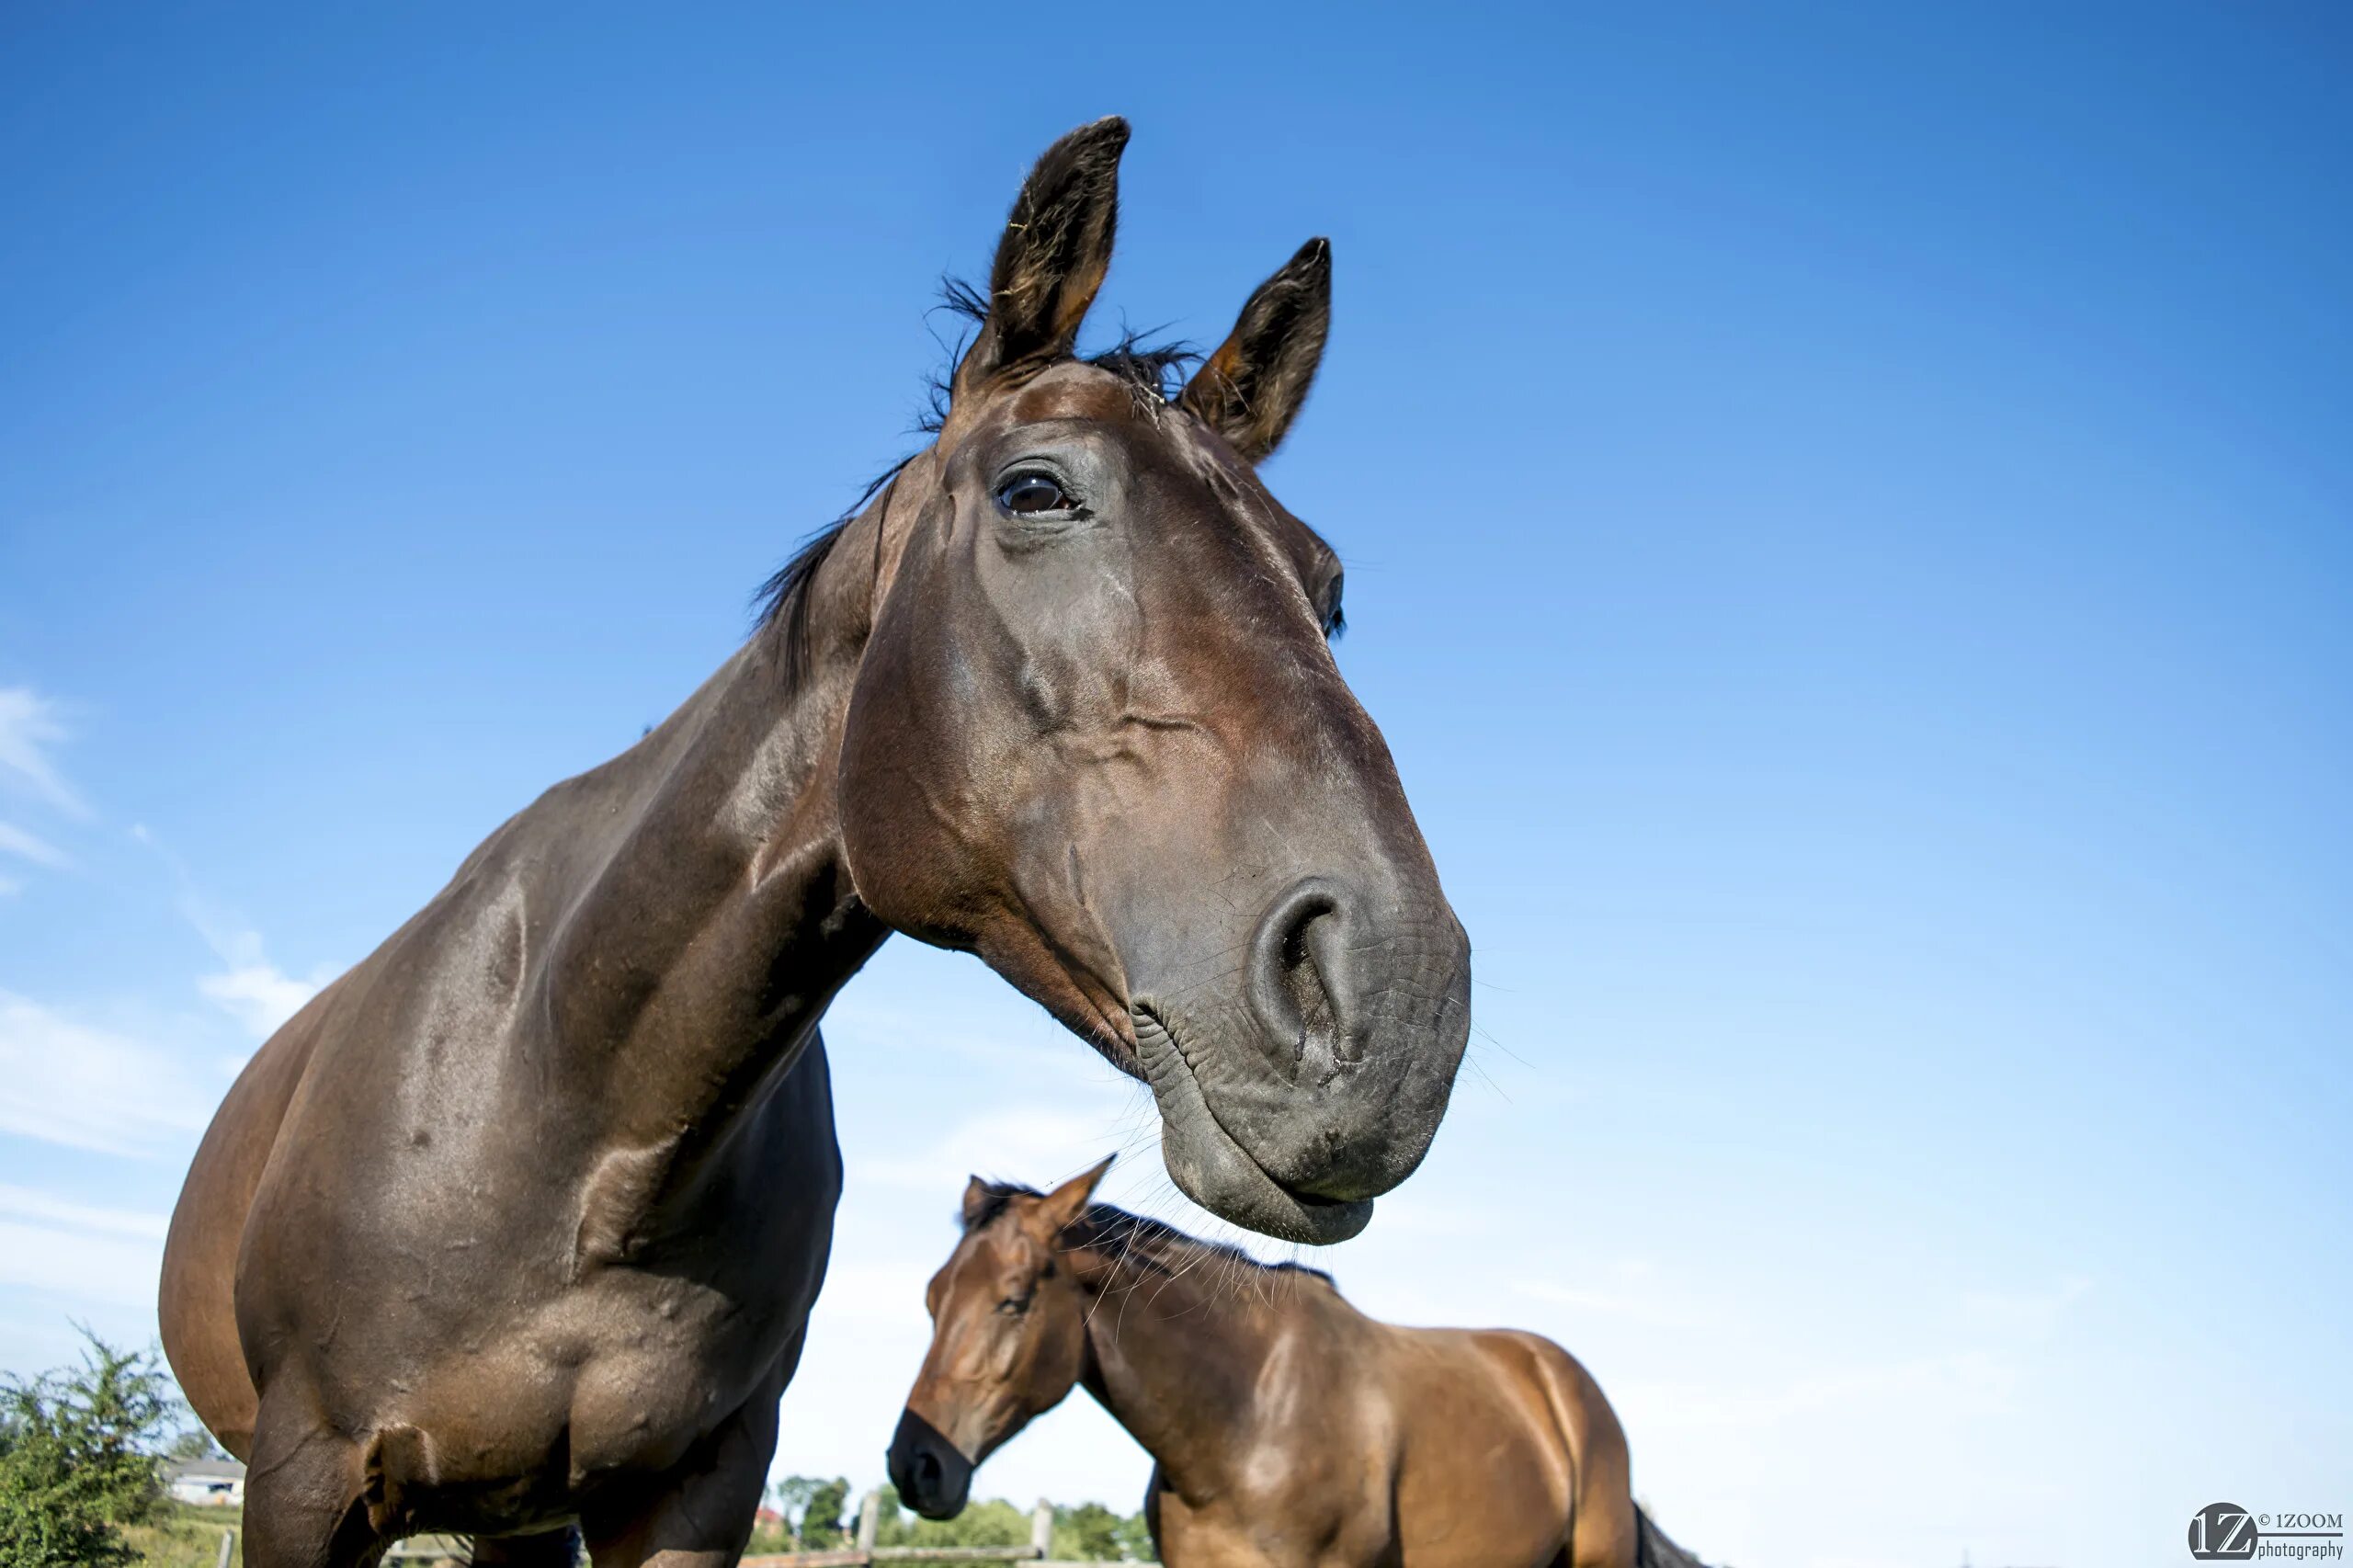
pixel 1137 1238
pixel 1149 368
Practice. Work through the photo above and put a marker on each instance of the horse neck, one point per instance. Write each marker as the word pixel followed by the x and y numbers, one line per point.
pixel 1180 1351
pixel 711 916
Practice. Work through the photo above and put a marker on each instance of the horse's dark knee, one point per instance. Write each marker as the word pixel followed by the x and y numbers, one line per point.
pixel 303 1507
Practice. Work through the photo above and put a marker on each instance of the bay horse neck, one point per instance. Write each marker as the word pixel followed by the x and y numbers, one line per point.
pixel 1183 1338
pixel 715 917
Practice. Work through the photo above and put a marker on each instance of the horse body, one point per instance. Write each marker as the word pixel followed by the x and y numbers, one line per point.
pixel 519 1222
pixel 1287 1430
pixel 552 1132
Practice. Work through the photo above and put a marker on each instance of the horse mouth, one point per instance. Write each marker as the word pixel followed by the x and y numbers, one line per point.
pixel 1212 1168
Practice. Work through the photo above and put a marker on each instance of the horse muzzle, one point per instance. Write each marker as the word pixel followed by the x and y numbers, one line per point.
pixel 932 1475
pixel 1292 1099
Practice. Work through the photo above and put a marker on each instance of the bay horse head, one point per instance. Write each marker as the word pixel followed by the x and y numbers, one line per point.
pixel 1009 1339
pixel 1094 732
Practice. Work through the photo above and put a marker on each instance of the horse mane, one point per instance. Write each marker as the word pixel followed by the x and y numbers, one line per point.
pixel 781 605
pixel 1155 1243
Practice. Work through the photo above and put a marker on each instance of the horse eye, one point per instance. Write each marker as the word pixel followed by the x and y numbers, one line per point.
pixel 1013 1306
pixel 1032 494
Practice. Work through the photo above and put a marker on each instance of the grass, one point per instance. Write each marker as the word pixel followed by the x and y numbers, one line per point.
pixel 185 1537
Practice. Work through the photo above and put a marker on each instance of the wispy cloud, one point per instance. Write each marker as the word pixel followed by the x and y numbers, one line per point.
pixel 1027 1145
pixel 1630 1287
pixel 81 1252
pixel 252 988
pixel 29 727
pixel 2029 1313
pixel 257 993
pixel 47 1209
pixel 16 841
pixel 1978 1382
pixel 67 1082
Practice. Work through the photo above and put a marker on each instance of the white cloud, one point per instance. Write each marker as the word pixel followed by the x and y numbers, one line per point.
pixel 1023 1144
pixel 259 994
pixel 79 1251
pixel 28 728
pixel 119 1270
pixel 1629 1288
pixel 28 1203
pixel 2028 1313
pixel 65 1082
pixel 16 841
pixel 1962 1383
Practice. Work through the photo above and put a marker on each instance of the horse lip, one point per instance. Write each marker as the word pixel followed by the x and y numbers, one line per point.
pixel 1247 1194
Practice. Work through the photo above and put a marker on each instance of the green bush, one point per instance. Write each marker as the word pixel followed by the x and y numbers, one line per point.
pixel 1087 1533
pixel 76 1460
pixel 993 1523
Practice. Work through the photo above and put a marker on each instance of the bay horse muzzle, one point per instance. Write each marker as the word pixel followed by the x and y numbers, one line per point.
pixel 932 1475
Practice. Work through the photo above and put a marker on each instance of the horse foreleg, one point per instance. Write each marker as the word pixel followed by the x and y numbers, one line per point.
pixel 699 1514
pixel 305 1505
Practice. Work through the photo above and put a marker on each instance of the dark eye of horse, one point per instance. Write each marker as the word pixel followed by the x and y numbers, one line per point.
pixel 1013 1306
pixel 1031 494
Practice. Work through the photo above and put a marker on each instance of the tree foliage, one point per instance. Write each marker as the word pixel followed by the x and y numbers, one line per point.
pixel 1087 1533
pixel 993 1523
pixel 77 1459
pixel 824 1517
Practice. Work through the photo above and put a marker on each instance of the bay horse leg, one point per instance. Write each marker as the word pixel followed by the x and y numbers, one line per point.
pixel 699 1515
pixel 303 1501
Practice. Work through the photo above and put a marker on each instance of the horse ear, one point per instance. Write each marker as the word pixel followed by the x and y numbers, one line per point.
pixel 977 1200
pixel 1068 1201
pixel 1056 248
pixel 1251 388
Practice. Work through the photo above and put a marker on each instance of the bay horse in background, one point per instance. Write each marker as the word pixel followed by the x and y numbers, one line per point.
pixel 1287 1429
pixel 518 1224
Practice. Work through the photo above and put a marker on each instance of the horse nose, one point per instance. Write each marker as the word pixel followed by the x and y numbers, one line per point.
pixel 1300 985
pixel 931 1473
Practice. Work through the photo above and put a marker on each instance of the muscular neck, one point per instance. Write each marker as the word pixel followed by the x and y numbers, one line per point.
pixel 710 916
pixel 1186 1353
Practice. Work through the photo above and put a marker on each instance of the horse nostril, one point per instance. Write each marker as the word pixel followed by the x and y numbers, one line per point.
pixel 927 1471
pixel 1297 982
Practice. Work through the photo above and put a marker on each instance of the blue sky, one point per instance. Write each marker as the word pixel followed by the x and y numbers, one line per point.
pixel 1846 524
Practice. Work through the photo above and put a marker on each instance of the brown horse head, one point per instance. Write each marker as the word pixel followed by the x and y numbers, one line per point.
pixel 1096 735
pixel 1009 1339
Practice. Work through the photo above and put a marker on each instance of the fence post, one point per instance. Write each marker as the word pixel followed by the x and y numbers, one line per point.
pixel 869 1521
pixel 1041 1529
pixel 228 1545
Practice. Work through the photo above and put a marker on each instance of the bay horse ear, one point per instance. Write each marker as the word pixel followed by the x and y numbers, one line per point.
pixel 978 1201
pixel 1068 1201
pixel 1252 388
pixel 1052 259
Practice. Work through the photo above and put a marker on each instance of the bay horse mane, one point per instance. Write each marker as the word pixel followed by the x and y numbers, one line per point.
pixel 1152 1245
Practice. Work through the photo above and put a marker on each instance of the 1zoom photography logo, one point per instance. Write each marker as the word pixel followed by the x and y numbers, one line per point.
pixel 2224 1533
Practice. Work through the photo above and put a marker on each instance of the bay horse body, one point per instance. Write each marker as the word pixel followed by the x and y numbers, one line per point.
pixel 519 1222
pixel 1287 1428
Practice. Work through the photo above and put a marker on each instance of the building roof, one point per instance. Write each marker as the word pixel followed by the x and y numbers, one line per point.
pixel 205 1470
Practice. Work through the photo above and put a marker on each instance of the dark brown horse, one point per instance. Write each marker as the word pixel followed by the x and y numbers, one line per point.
pixel 519 1222
pixel 1287 1428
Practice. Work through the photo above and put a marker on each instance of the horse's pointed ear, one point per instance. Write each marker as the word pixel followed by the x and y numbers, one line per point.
pixel 1068 1201
pixel 978 1200
pixel 1050 262
pixel 1251 388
